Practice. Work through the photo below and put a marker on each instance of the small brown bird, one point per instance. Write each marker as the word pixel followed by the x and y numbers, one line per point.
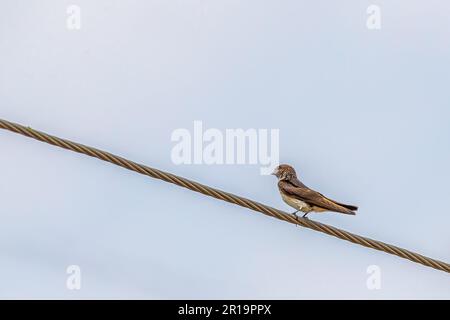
pixel 300 197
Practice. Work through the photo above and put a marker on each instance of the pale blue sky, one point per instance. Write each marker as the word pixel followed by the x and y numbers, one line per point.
pixel 363 117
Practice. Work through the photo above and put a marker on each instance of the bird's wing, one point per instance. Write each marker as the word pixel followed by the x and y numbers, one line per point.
pixel 312 197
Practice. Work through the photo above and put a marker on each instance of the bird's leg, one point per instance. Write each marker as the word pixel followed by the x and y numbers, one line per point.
pixel 305 215
pixel 295 214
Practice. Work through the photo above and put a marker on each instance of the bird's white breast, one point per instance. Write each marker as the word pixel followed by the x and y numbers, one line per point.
pixel 296 203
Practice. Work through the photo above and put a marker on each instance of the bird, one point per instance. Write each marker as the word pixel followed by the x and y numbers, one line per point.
pixel 304 199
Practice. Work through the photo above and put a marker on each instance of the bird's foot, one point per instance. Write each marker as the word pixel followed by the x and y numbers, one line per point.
pixel 295 215
pixel 305 215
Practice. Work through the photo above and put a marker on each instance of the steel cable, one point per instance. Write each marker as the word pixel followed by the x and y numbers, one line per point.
pixel 225 196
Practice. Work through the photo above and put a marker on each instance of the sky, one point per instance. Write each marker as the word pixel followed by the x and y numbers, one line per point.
pixel 363 115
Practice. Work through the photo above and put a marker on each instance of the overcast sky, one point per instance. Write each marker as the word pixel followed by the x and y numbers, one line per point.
pixel 363 115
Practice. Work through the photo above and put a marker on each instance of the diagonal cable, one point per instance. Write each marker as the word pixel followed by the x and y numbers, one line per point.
pixel 225 196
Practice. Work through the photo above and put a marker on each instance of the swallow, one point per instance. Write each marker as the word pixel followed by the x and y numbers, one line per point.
pixel 304 199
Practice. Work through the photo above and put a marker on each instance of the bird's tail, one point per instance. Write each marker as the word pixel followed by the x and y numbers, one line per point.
pixel 350 209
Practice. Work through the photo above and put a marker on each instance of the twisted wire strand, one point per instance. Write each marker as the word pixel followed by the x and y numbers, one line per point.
pixel 225 196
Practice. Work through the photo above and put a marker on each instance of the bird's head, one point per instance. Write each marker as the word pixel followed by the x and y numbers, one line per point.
pixel 284 172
